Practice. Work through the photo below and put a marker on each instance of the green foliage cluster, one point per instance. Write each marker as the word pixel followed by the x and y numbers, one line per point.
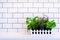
pixel 39 23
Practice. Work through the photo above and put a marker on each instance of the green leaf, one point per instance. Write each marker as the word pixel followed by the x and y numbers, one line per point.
pixel 37 23
pixel 51 24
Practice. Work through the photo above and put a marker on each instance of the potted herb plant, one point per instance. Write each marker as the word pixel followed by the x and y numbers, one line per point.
pixel 40 25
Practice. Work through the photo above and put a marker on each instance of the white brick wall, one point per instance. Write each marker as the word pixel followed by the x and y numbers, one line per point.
pixel 33 0
pixel 3 30
pixel 56 15
pixel 43 10
pixel 3 0
pixel 17 4
pixel 7 5
pixel 56 20
pixel 28 4
pixel 53 0
pixel 27 15
pixel 22 30
pixel 3 20
pixel 24 26
pixel 11 10
pixel 53 9
pixel 7 15
pixel 54 30
pixel 22 0
pixel 0 5
pixel 17 15
pixel 58 26
pixel 0 25
pixel 21 20
pixel 59 10
pixel 14 12
pixel 38 14
pixel 17 26
pixel 48 5
pixel 33 10
pixel 12 0
pixel 2 10
pixel 38 4
pixel 56 4
pixel 12 21
pixel 22 9
pixel 12 30
pixel 0 15
pixel 7 25
pixel 50 15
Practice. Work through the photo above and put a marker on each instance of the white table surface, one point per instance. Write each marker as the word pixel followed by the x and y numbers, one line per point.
pixel 26 35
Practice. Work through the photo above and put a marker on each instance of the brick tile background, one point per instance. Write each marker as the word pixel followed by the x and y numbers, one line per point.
pixel 14 12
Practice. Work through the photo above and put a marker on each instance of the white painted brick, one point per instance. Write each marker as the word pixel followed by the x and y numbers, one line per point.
pixel 0 15
pixel 59 30
pixel 17 15
pixel 38 14
pixel 11 10
pixel 24 26
pixel 33 0
pixel 27 15
pixel 45 0
pixel 33 9
pixel 3 0
pixel 59 10
pixel 59 20
pixel 48 5
pixel 0 5
pixel 22 0
pixel 17 26
pixel 17 4
pixel 12 0
pixel 28 5
pixel 38 4
pixel 54 31
pixel 53 9
pixel 7 5
pixel 3 30
pixel 57 26
pixel 56 20
pixel 56 4
pixel 59 15
pixel 0 25
pixel 20 17
pixel 12 30
pixel 22 9
pixel 50 15
pixel 7 25
pixel 41 0
pixel 12 20
pixel 6 15
pixel 3 20
pixel 56 15
pixel 22 30
pixel 3 9
pixel 21 20
pixel 53 0
pixel 43 9
pixel 51 19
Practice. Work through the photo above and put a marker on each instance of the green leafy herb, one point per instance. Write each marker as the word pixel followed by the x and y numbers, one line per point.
pixel 51 24
pixel 39 23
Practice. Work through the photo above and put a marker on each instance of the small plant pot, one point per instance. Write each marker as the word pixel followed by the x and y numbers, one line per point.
pixel 40 31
